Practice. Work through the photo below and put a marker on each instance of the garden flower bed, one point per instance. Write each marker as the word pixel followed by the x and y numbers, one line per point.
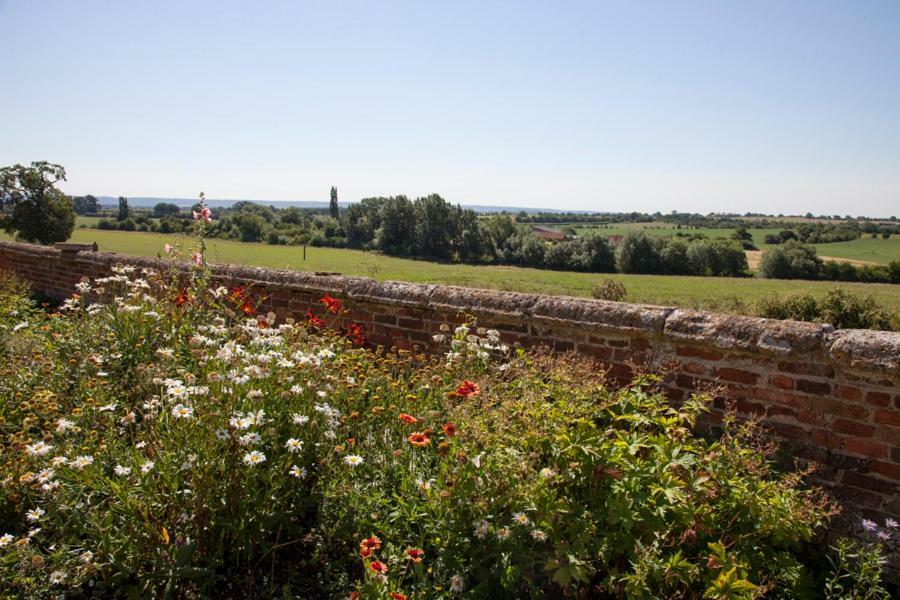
pixel 161 439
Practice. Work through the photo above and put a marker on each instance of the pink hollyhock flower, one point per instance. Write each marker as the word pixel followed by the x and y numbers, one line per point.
pixel 197 258
pixel 204 214
pixel 168 248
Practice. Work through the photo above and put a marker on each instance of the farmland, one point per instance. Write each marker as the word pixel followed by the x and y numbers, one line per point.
pixel 865 249
pixel 723 294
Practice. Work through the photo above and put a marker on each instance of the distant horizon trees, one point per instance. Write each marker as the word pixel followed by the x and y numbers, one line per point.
pixel 32 207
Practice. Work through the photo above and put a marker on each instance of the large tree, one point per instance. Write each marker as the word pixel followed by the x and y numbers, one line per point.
pixel 333 207
pixel 32 207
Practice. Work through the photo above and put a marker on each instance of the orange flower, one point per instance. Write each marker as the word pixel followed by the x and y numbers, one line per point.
pixel 415 554
pixel 365 552
pixel 398 596
pixel 313 320
pixel 468 388
pixel 372 543
pixel 419 439
pixel 247 308
pixel 378 567
pixel 332 305
pixel 449 429
pixel 356 333
pixel 408 418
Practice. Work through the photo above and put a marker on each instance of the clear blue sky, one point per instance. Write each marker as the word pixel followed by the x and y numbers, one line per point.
pixel 787 106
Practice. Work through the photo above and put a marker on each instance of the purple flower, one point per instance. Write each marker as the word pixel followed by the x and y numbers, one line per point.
pixel 884 535
pixel 869 525
pixel 890 523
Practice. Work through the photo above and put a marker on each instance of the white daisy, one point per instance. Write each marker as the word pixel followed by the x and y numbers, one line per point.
pixel 80 462
pixel 122 471
pixel 254 458
pixel 298 472
pixel 180 411
pixel 353 460
pixel 293 445
pixel 38 448
pixel 34 515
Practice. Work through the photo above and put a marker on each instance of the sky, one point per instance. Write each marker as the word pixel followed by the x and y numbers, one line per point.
pixel 720 106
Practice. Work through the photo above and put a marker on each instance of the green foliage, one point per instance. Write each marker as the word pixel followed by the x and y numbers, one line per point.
pixel 856 572
pixel 124 212
pixel 333 208
pixel 32 207
pixel 165 209
pixel 610 289
pixel 840 308
pixel 791 260
pixel 85 205
pixel 509 476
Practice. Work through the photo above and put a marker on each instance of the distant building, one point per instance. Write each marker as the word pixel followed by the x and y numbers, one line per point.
pixel 548 234
pixel 615 240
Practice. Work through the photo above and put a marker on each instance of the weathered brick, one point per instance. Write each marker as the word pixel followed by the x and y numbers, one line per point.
pixel 878 399
pixel 698 352
pixel 736 375
pixel 887 417
pixel 865 447
pixel 782 381
pixel 853 427
pixel 819 388
pixel 838 407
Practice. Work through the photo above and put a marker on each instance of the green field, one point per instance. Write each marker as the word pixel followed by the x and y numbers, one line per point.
pixel 864 249
pixel 733 295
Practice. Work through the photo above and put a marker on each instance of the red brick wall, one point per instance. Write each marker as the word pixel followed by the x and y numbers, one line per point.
pixel 831 396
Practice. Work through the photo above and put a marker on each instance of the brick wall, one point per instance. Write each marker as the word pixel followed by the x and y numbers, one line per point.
pixel 831 396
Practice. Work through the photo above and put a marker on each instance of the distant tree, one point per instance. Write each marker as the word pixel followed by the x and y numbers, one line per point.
pixel 124 213
pixel 333 208
pixel 164 209
pixel 32 207
pixel 791 260
pixel 639 253
pixel 594 255
pixel 436 227
pixel 85 205
pixel 397 231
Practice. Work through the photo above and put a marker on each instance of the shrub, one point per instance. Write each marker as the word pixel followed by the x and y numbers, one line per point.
pixel 791 260
pixel 838 307
pixel 172 442
pixel 610 289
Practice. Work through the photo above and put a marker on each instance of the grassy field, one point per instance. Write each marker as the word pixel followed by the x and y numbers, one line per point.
pixel 865 249
pixel 725 294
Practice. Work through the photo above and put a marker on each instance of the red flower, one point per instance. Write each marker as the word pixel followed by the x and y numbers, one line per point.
pixel 408 418
pixel 398 596
pixel 419 439
pixel 449 429
pixel 356 333
pixel 248 308
pixel 354 595
pixel 236 293
pixel 332 305
pixel 371 543
pixel 415 554
pixel 378 567
pixel 365 552
pixel 313 320
pixel 468 388
pixel 181 299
